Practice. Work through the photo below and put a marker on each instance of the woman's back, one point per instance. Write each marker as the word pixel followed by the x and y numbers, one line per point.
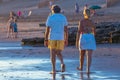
pixel 87 26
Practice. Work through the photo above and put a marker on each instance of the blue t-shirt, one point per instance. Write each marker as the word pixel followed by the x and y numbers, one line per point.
pixel 56 22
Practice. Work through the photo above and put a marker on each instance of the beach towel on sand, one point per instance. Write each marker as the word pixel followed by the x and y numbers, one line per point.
pixel 87 42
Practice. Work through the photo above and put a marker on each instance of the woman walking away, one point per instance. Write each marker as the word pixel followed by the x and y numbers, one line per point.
pixel 85 40
pixel 56 36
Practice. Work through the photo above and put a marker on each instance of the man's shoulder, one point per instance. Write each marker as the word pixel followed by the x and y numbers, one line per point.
pixel 57 16
pixel 62 15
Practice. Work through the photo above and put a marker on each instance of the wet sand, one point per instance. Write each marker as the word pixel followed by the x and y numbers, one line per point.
pixel 33 63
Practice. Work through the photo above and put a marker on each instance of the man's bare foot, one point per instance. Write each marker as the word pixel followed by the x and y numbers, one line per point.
pixel 62 67
pixel 78 68
pixel 53 72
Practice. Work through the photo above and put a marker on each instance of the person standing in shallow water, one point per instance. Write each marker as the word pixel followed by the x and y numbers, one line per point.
pixel 85 40
pixel 56 36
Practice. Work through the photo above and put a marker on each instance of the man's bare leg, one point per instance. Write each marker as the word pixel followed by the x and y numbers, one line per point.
pixel 59 55
pixel 53 60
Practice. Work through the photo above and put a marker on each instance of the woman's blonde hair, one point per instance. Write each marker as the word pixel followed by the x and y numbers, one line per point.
pixel 87 13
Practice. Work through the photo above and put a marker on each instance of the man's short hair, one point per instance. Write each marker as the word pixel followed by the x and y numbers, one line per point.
pixel 56 9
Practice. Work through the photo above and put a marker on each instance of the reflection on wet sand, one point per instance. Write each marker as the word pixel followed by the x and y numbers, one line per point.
pixel 55 78
pixel 84 76
pixel 33 63
pixel 81 75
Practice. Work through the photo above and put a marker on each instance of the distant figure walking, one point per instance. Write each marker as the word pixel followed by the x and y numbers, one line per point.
pixel 85 40
pixel 10 27
pixel 56 36
pixel 76 8
pixel 19 13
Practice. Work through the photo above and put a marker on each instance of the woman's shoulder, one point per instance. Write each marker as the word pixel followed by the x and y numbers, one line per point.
pixel 82 21
pixel 87 20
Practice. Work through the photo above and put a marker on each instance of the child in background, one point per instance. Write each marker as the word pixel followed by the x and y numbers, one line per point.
pixel 14 24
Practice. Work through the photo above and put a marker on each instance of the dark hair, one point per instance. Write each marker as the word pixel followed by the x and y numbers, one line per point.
pixel 56 9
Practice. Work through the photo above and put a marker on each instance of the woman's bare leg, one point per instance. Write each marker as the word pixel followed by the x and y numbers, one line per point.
pixel 82 54
pixel 59 55
pixel 89 60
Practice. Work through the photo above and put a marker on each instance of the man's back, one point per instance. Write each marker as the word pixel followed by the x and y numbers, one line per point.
pixel 57 22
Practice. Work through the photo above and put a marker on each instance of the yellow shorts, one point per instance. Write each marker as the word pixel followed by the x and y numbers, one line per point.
pixel 56 44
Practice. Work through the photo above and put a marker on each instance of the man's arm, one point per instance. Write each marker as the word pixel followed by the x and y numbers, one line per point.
pixel 46 36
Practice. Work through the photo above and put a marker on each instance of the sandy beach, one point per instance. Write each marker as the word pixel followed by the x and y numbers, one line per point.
pixel 33 63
